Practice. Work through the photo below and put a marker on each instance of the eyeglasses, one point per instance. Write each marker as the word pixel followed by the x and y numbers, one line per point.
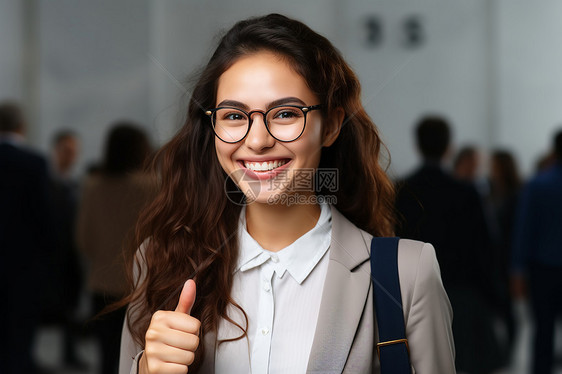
pixel 284 122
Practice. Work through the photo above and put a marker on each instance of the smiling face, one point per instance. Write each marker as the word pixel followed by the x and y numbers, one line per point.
pixel 262 166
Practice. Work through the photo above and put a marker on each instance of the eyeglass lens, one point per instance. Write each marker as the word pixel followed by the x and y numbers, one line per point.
pixel 284 123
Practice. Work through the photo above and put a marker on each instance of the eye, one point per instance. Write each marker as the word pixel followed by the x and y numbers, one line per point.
pixel 287 113
pixel 234 116
pixel 231 115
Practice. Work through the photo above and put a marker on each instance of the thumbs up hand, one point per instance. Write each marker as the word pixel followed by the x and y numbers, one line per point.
pixel 172 337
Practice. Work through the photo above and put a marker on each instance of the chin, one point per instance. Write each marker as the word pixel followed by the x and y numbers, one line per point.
pixel 261 193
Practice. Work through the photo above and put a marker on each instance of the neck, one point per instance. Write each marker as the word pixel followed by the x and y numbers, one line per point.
pixel 275 227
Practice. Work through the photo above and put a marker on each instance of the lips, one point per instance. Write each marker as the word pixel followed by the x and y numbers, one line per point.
pixel 266 169
pixel 264 166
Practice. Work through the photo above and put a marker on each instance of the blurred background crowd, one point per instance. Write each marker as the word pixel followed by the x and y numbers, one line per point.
pixel 466 97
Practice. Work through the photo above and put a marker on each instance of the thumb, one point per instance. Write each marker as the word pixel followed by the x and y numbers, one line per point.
pixel 187 297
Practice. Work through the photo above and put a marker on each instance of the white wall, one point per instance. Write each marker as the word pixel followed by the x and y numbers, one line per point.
pixel 492 66
pixel 447 74
pixel 11 49
pixel 529 77
pixel 93 68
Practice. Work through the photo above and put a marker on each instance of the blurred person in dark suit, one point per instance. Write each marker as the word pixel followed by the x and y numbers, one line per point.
pixel 26 241
pixel 496 196
pixel 111 200
pixel 467 167
pixel 505 184
pixel 65 296
pixel 537 256
pixel 434 206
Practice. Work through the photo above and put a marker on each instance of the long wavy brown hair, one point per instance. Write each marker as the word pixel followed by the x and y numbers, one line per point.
pixel 190 230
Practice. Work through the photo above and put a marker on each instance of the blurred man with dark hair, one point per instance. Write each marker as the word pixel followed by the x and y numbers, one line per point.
pixel 433 135
pixel 537 255
pixel 435 207
pixel 26 240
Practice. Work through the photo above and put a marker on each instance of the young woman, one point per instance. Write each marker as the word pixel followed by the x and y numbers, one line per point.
pixel 281 283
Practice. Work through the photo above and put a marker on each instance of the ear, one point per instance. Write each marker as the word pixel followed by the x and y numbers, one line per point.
pixel 332 127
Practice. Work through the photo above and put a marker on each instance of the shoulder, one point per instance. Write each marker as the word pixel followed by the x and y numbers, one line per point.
pixel 417 261
pixel 549 177
pixel 426 181
pixel 425 305
pixel 91 180
pixel 421 286
pixel 427 311
pixel 408 180
pixel 90 184
pixel 418 272
pixel 533 188
pixel 141 177
pixel 417 264
pixel 23 156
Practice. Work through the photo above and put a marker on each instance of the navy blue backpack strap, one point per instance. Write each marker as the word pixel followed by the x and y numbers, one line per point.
pixel 392 348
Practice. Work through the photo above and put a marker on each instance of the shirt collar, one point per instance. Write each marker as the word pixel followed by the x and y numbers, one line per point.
pixel 299 258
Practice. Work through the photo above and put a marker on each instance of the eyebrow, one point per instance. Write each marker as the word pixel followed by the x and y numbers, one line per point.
pixel 285 100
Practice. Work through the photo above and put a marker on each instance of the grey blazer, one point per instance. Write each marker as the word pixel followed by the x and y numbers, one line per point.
pixel 346 333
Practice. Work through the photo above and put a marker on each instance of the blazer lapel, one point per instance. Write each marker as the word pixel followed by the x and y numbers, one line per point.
pixel 346 289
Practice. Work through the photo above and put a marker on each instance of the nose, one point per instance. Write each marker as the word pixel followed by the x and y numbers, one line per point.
pixel 258 137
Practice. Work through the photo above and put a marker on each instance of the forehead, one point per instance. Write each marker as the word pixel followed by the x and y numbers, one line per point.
pixel 260 78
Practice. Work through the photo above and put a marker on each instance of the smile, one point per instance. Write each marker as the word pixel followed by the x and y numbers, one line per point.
pixel 264 166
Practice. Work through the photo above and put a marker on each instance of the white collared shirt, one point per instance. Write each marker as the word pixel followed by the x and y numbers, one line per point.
pixel 280 293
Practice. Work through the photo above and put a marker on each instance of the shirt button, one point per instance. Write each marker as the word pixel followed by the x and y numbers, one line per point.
pixel 274 258
pixel 265 331
pixel 266 287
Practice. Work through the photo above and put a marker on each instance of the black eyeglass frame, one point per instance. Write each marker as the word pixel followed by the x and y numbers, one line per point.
pixel 304 109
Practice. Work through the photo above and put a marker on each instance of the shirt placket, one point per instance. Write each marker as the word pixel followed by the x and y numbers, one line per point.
pixel 264 324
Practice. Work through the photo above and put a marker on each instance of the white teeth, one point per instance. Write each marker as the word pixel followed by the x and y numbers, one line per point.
pixel 264 166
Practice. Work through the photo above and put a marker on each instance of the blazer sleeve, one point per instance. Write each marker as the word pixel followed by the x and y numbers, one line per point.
pixel 427 311
pixel 130 351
